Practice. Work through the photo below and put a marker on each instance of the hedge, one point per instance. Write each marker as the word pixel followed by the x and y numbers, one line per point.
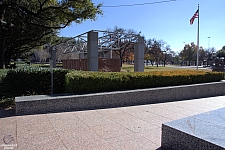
pixel 32 81
pixel 3 73
pixel 87 82
pixel 29 80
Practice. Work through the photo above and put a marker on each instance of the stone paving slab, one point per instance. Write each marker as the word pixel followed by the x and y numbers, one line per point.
pixel 135 127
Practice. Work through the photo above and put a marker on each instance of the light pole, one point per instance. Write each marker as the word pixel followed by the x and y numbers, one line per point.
pixel 209 42
pixel 209 49
pixel 52 63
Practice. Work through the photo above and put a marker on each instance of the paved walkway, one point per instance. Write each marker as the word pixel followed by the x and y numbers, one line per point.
pixel 124 128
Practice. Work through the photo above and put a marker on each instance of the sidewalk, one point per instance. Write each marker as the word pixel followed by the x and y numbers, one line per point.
pixel 124 128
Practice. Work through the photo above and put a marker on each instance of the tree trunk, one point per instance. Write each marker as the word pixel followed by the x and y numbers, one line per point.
pixel 151 62
pixel 2 52
pixel 164 62
pixel 157 61
pixel 157 58
pixel 121 60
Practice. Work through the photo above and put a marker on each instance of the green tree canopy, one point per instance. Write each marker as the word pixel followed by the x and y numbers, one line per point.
pixel 158 49
pixel 27 24
pixel 221 53
pixel 223 48
pixel 189 53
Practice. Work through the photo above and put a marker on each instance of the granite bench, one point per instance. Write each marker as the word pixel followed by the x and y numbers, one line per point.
pixel 201 132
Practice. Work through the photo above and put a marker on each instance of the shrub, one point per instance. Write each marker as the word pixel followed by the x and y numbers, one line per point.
pixel 3 73
pixel 83 82
pixel 28 80
pixel 7 102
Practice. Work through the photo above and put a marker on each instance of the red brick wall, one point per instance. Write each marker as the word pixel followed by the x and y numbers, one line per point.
pixel 104 64
pixel 83 64
pixel 71 64
pixel 109 65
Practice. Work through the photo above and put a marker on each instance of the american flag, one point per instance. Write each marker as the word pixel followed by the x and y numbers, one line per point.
pixel 193 18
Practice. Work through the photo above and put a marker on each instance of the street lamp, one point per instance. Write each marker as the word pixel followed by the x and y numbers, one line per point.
pixel 52 62
pixel 209 42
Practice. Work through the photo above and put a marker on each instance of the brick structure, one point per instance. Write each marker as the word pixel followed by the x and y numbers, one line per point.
pixel 104 64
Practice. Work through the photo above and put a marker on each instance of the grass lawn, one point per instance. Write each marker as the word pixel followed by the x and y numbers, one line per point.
pixel 130 68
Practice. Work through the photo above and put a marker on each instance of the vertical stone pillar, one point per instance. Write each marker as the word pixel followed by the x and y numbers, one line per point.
pixel 81 55
pixel 92 48
pixel 139 55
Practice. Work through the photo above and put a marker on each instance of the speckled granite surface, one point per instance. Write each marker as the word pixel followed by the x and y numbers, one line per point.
pixel 122 128
pixel 61 103
pixel 203 132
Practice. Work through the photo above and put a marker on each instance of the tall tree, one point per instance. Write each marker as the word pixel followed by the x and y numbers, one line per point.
pixel 167 55
pixel 176 60
pixel 205 55
pixel 150 58
pixel 122 40
pixel 223 48
pixel 188 53
pixel 221 53
pixel 202 54
pixel 156 49
pixel 27 24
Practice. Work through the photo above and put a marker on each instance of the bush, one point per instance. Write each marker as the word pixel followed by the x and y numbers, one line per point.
pixel 3 73
pixel 83 82
pixel 7 103
pixel 28 80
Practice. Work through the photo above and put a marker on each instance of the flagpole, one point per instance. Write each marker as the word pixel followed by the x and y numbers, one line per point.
pixel 198 39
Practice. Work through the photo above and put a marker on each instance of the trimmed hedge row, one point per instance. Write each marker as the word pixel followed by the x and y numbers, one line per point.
pixel 86 82
pixel 32 81
pixel 35 80
pixel 3 73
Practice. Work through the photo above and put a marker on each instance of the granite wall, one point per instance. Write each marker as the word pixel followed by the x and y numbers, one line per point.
pixel 59 103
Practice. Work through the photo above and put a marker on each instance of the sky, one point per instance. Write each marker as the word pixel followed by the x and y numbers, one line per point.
pixel 169 21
